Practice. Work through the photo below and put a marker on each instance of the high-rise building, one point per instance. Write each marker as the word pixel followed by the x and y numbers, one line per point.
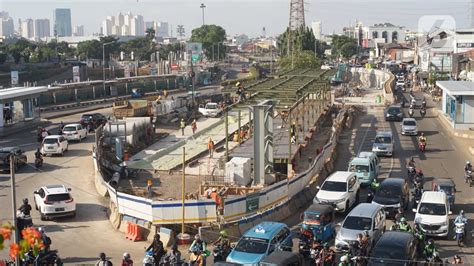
pixel 116 30
pixel 127 19
pixel 472 14
pixel 163 29
pixel 6 27
pixel 4 15
pixel 42 28
pixel 137 26
pixel 107 27
pixel 27 28
pixel 149 24
pixel 78 30
pixel 62 22
pixel 317 29
pixel 119 20
pixel 125 30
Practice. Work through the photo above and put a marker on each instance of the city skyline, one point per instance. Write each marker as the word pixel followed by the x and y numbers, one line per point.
pixel 248 17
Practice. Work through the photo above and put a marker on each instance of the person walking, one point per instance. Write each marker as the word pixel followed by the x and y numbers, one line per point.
pixel 182 126
pixel 194 126
pixel 210 147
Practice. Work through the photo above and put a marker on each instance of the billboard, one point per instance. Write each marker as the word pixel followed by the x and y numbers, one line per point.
pixel 15 78
pixel 76 74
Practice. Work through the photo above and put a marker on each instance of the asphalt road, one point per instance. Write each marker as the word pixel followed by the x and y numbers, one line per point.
pixel 445 157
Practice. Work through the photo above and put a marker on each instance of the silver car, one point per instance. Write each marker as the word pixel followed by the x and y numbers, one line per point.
pixel 409 126
pixel 383 144
pixel 364 217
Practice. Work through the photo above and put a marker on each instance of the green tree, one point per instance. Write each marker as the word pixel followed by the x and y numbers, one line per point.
pixel 141 47
pixel 301 39
pixel 344 46
pixel 348 50
pixel 150 33
pixel 20 49
pixel 211 36
pixel 91 49
pixel 300 59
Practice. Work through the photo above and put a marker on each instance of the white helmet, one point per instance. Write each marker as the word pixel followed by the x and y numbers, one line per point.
pixel 41 230
pixel 468 162
pixel 126 255
pixel 344 258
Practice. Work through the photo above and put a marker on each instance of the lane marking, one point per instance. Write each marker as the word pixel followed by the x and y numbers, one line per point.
pixel 365 134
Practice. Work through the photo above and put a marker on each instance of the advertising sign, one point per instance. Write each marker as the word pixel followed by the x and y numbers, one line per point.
pixel 194 47
pixel 76 74
pixel 15 78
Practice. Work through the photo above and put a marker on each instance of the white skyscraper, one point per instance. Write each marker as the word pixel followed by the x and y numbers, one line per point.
pixel 6 27
pixel 317 29
pixel 119 21
pixel 107 27
pixel 125 30
pixel 163 29
pixel 79 30
pixel 27 28
pixel 137 26
pixel 116 30
pixel 127 19
pixel 112 19
pixel 42 28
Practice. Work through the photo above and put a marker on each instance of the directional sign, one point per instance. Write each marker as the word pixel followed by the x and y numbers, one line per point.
pixel 252 202
pixel 195 57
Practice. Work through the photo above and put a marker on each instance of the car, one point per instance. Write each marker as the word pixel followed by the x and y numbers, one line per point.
pixel 5 155
pixel 383 144
pixel 340 189
pixel 54 201
pixel 446 185
pixel 394 113
pixel 364 217
pixel 74 132
pixel 432 213
pixel 93 117
pixel 394 248
pixel 320 220
pixel 54 144
pixel 260 241
pixel 283 258
pixel 392 194
pixel 366 166
pixel 409 126
pixel 210 110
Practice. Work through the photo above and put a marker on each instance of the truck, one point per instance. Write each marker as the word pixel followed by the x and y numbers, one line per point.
pixel 210 110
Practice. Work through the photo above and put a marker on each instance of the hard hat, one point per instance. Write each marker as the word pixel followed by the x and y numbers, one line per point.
pixel 126 255
pixel 468 162
pixel 214 189
pixel 197 236
pixel 41 229
pixel 223 233
pixel 403 219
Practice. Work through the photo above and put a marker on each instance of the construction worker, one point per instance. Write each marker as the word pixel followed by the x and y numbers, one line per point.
pixel 194 126
pixel 210 147
pixel 182 126
pixel 236 137
pixel 165 93
pixel 293 129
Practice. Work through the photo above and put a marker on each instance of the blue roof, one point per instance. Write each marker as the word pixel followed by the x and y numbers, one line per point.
pixel 264 230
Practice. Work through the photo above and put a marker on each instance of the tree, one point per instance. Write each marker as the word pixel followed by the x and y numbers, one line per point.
pixel 91 49
pixel 300 59
pixel 344 46
pixel 348 50
pixel 141 47
pixel 211 36
pixel 20 49
pixel 150 33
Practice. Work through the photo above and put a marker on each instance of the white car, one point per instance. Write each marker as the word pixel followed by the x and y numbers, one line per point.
pixel 432 213
pixel 54 144
pixel 409 126
pixel 74 132
pixel 54 201
pixel 341 190
pixel 383 144
pixel 210 110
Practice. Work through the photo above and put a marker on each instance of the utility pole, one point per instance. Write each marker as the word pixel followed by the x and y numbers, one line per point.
pixel 13 186
pixel 103 64
pixel 183 191
pixel 202 6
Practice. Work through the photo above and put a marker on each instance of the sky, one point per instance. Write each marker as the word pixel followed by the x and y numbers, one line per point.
pixel 246 16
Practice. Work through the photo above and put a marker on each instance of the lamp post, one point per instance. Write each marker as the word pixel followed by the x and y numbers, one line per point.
pixel 202 6
pixel 103 64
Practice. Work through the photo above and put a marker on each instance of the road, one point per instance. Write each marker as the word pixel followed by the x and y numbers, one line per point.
pixel 445 157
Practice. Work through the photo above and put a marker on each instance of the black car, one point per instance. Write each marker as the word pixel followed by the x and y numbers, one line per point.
pixel 94 117
pixel 394 113
pixel 394 248
pixel 392 194
pixel 5 154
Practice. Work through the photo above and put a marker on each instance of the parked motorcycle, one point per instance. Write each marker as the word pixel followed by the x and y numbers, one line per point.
pixel 460 229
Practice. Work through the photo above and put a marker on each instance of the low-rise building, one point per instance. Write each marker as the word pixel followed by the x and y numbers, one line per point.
pixel 458 103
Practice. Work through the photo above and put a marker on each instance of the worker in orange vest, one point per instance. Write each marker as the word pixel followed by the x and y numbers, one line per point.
pixel 210 147
pixel 194 126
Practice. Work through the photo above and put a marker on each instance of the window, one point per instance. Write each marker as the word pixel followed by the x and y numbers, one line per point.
pixel 41 193
pixel 357 223
pixel 252 245
pixel 409 123
pixel 432 209
pixel 385 35
pixel 59 197
pixel 334 186
pixel 352 182
pixel 383 140
pixel 50 141
pixel 375 35
pixel 394 37
pixel 359 168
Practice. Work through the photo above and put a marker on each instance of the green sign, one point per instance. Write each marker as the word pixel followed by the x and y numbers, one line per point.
pixel 252 202
pixel 195 57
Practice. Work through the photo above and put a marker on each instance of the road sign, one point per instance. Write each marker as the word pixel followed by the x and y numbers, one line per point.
pixel 76 74
pixel 195 57
pixel 252 202
pixel 14 77
pixel 194 47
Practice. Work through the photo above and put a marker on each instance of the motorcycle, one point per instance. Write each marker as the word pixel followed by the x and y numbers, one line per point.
pixel 417 196
pixel 305 246
pixel 468 177
pixel 411 112
pixel 220 253
pixel 38 162
pixel 411 173
pixel 148 260
pixel 422 146
pixel 423 112
pixel 23 220
pixel 50 257
pixel 370 197
pixel 460 229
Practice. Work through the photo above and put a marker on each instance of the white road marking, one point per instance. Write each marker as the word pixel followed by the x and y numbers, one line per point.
pixel 365 135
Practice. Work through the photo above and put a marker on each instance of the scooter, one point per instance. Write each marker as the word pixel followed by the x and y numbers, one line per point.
pixel 422 112
pixel 23 220
pixel 220 253
pixel 38 162
pixel 460 232
pixel 411 112
pixel 468 177
pixel 422 146
pixel 148 260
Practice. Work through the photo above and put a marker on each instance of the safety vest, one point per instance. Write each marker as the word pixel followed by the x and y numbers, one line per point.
pixel 404 227
pixel 183 124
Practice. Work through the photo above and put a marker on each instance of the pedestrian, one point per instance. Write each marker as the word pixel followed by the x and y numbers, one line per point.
pixel 103 261
pixel 210 147
pixel 182 126
pixel 194 126
pixel 127 260
pixel 165 93
pixel 149 187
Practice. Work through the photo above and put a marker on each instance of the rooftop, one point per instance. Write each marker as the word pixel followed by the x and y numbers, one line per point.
pixel 457 87
pixel 16 92
pixel 339 176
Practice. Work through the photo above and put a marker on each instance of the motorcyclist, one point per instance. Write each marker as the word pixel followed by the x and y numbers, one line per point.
pixel 468 166
pixel 127 260
pixel 460 218
pixel 420 237
pixel 344 261
pixel 399 215
pixel 422 138
pixel 429 250
pixel 224 244
pixel 157 248
pixel 306 232
pixel 103 261
pixel 45 239
pixel 457 260
pixel 404 225
pixel 412 163
pixel 327 255
pixel 173 257
pixel 25 208
pixel 419 177
pixel 197 247
pixel 365 243
pixel 38 154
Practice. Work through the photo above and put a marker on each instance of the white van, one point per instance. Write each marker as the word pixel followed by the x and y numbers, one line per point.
pixel 432 213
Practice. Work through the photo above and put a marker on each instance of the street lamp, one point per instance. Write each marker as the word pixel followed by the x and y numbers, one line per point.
pixel 202 6
pixel 103 64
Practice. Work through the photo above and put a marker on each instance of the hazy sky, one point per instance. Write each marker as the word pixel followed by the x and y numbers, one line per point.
pixel 245 16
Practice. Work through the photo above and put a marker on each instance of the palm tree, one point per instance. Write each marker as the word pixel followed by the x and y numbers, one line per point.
pixel 150 33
